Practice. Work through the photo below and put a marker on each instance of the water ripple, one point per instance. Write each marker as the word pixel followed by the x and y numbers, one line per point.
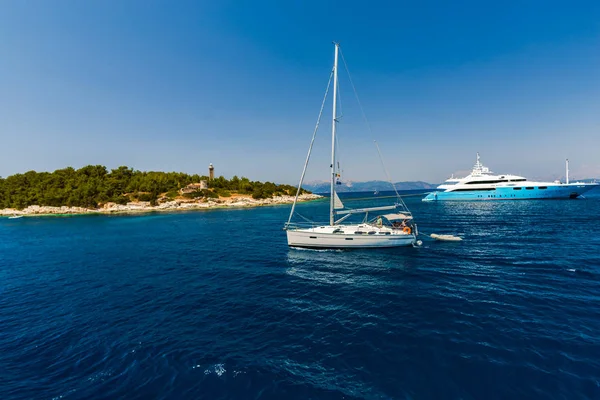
pixel 173 306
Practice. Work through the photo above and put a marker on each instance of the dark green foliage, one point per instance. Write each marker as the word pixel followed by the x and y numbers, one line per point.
pixel 172 194
pixel 223 192
pixel 258 190
pixel 121 200
pixel 93 184
pixel 204 193
pixel 145 196
pixel 258 193
pixel 194 195
pixel 210 194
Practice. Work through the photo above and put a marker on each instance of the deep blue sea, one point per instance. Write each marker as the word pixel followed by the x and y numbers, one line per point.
pixel 214 305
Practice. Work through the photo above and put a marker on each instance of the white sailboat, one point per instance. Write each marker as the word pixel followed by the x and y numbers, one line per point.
pixel 389 226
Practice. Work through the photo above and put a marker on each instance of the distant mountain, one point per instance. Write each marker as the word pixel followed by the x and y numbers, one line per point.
pixel 349 186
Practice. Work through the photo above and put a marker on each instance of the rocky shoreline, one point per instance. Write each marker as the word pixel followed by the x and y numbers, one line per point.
pixel 144 206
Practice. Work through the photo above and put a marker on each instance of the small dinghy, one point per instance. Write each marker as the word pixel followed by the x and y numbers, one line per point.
pixel 449 238
pixel 15 216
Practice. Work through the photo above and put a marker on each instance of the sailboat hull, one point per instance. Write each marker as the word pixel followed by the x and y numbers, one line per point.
pixel 320 238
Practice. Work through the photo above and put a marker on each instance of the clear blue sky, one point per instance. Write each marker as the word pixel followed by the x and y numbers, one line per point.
pixel 174 85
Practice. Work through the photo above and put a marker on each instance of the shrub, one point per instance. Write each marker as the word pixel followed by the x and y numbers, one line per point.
pixel 193 195
pixel 260 193
pixel 201 193
pixel 223 193
pixel 145 196
pixel 209 194
pixel 120 200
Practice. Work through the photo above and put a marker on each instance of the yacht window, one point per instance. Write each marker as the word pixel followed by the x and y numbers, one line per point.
pixel 529 188
pixel 349 239
pixel 473 190
pixel 486 182
pixel 543 187
pixel 516 188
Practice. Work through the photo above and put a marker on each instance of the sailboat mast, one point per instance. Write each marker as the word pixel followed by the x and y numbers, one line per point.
pixel 333 125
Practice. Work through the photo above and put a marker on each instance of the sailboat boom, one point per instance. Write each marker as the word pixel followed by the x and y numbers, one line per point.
pixel 364 210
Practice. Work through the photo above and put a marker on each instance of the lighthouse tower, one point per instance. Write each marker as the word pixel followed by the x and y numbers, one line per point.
pixel 211 172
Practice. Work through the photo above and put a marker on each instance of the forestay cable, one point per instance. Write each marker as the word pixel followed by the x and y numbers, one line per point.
pixel 309 150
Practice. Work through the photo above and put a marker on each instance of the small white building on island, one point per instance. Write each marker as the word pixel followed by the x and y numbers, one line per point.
pixel 194 187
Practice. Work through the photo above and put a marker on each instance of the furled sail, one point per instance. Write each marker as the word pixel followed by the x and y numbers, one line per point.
pixel 337 203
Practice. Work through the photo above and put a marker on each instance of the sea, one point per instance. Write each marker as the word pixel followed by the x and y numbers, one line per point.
pixel 214 305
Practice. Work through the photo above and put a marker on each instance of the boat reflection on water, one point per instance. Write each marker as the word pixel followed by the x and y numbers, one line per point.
pixel 357 267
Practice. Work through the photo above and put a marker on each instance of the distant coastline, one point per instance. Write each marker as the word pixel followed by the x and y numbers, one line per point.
pixel 236 201
pixel 94 189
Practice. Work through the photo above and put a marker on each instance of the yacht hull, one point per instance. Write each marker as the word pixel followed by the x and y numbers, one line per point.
pixel 562 191
pixel 314 239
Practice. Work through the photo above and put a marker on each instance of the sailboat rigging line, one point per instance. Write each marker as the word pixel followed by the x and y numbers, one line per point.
pixel 339 100
pixel 338 118
pixel 337 155
pixel 356 93
pixel 385 169
pixel 388 175
pixel 362 110
pixel 304 218
pixel 310 149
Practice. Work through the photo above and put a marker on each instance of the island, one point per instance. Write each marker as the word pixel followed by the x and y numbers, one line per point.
pixel 93 189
